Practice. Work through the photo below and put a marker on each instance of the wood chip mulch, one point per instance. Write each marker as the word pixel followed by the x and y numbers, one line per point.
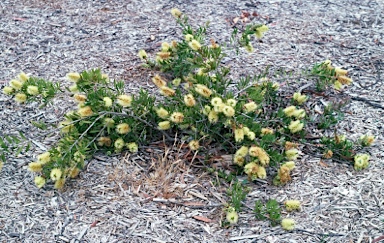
pixel 159 195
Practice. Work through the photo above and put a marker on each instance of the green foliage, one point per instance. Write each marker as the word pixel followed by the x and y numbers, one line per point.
pixel 271 211
pixel 237 193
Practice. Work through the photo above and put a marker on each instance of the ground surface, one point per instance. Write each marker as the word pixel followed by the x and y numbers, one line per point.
pixel 116 200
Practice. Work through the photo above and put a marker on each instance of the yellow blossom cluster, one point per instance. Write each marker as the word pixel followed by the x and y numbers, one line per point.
pixel 299 98
pixel 292 205
pixel 255 171
pixel 341 75
pixel 232 216
pixel 260 153
pixel 361 161
pixel 288 224
pixel 367 140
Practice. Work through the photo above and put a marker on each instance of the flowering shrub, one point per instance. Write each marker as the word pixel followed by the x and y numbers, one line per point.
pixel 253 118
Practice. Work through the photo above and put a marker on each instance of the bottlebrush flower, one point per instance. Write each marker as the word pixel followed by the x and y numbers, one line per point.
pixel 107 102
pixel 35 166
pixel 124 100
pixel 132 147
pixel 289 111
pixel 32 90
pixel 166 91
pixel 295 126
pixel 23 77
pixel 239 134
pixel 292 205
pixel 203 90
pixel 20 97
pixel 176 13
pixel 162 113
pixel 213 117
pixel 8 90
pixel 44 158
pixel 39 181
pixel 119 144
pixel 74 77
pixel 85 111
pixel 195 45
pixel 189 100
pixel 142 55
pixel 123 128
pixel 249 107
pixel 177 117
pixel 164 125
pixel 16 84
pixel 194 145
pixel 288 224
pixel 55 174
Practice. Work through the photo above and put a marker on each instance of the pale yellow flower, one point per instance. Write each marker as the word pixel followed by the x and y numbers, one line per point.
pixel 213 117
pixel 74 88
pixel 231 102
pixel 23 77
pixel 290 164
pixel 8 90
pixel 261 30
pixel 288 224
pixel 265 131
pixel 158 81
pixel 35 166
pixel 251 169
pixel 251 135
pixel 219 108
pixel 104 141
pixel 249 107
pixel 39 181
pixel 109 122
pixel 206 110
pixel 79 157
pixel 85 111
pixel 242 152
pixel 59 183
pixel 177 117
pixel 80 98
pixel 176 13
pixel 194 145
pixel 107 102
pixel 228 111
pixel 163 55
pixel 20 97
pixel 176 82
pixel 232 217
pixel 300 99
pixel 344 80
pixel 132 147
pixel 367 140
pixel 292 154
pixel 249 48
pixel 56 174
pixel 292 205
pixel 124 100
pixel 337 85
pixel 166 91
pixel 74 77
pixel 239 160
pixel 142 55
pixel 165 46
pixel 261 172
pixel 16 84
pixel 195 45
pixel 74 172
pixel 289 111
pixel 162 113
pixel 295 126
pixel 123 128
pixel 119 143
pixel 340 71
pixel 32 90
pixel 1 165
pixel 188 37
pixel 239 134
pixel 44 158
pixel 299 114
pixel 164 125
pixel 203 90
pixel 189 100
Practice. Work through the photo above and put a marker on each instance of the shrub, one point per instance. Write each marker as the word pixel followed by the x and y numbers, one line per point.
pixel 260 123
